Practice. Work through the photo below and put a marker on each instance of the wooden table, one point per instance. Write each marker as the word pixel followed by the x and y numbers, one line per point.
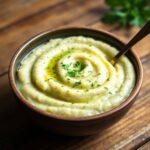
pixel 22 19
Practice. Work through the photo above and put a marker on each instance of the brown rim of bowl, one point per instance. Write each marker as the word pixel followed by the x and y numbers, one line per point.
pixel 85 118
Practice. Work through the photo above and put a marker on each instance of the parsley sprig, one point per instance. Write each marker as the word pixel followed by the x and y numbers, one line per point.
pixel 127 12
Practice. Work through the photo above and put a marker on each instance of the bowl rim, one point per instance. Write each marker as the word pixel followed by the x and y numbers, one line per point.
pixel 128 100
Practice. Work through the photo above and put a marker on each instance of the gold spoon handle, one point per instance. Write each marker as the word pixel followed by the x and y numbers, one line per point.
pixel 140 35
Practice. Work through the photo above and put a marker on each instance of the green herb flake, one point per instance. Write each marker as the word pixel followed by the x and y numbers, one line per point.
pixel 57 44
pixel 98 85
pixel 89 81
pixel 65 66
pixel 86 90
pixel 108 79
pixel 73 69
pixel 77 83
pixel 106 88
pixel 76 64
pixel 48 79
pixel 71 73
pixel 110 92
pixel 92 85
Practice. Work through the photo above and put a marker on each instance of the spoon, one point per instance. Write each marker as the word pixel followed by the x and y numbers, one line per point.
pixel 139 36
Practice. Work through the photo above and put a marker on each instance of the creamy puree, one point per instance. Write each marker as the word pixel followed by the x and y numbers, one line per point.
pixel 74 77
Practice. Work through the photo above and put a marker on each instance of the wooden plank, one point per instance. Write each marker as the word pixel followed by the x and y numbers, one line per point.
pixel 20 32
pixel 146 146
pixel 13 121
pixel 130 131
pixel 12 11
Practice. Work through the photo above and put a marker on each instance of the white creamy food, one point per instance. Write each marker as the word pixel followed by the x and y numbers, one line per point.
pixel 74 77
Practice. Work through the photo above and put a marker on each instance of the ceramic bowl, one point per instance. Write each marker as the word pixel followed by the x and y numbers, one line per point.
pixel 82 125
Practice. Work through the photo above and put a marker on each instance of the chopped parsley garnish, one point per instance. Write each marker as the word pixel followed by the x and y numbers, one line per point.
pixel 98 85
pixel 86 90
pixel 106 88
pixel 79 66
pixel 108 79
pixel 73 69
pixel 71 73
pixel 92 85
pixel 110 92
pixel 76 64
pixel 77 83
pixel 48 79
pixel 65 66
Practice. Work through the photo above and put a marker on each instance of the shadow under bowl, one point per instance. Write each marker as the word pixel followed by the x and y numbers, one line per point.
pixel 69 125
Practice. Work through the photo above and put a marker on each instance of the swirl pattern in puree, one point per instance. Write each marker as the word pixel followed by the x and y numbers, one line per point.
pixel 74 77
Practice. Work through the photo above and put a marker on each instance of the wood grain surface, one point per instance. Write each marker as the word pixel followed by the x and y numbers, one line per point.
pixel 22 19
